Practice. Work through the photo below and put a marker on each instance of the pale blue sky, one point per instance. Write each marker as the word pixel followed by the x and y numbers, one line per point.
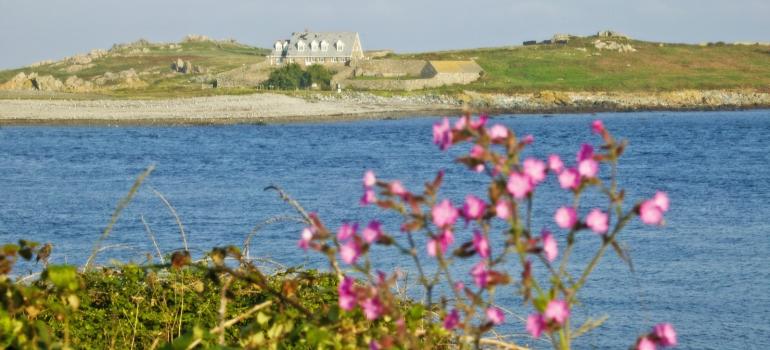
pixel 34 30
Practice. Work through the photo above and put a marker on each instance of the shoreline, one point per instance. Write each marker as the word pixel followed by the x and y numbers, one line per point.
pixel 271 108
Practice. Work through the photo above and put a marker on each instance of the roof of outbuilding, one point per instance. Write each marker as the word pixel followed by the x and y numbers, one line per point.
pixel 456 66
pixel 347 38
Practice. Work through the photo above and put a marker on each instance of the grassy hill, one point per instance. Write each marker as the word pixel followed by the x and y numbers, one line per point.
pixel 653 67
pixel 576 66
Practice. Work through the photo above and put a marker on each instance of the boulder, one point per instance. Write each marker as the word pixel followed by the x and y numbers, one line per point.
pixel 75 84
pixel 19 82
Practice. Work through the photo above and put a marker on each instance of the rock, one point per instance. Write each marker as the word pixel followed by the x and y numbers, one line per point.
pixel 553 97
pixel 78 67
pixel 192 38
pixel 41 63
pixel 19 82
pixel 613 46
pixel 612 34
pixel 75 84
pixel 47 83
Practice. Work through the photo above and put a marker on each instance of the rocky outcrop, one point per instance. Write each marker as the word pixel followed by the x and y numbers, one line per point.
pixel 613 46
pixel 75 84
pixel 193 38
pixel 127 79
pixel 186 67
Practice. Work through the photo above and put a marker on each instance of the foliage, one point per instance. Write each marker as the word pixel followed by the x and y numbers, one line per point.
pixel 291 77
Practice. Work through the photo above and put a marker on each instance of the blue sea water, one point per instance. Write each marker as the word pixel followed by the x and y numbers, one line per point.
pixel 707 271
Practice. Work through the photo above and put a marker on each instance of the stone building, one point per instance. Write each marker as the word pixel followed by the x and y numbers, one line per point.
pixel 306 48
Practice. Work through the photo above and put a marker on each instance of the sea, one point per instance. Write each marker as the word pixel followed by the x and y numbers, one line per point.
pixel 707 271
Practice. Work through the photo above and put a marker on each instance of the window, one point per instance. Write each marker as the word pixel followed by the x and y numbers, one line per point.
pixel 278 46
pixel 313 45
pixel 300 46
pixel 324 46
pixel 340 46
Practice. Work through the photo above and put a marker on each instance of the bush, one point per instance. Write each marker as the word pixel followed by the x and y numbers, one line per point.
pixel 291 77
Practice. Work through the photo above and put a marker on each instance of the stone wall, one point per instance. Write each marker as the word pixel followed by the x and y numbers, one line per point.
pixel 410 84
pixel 388 68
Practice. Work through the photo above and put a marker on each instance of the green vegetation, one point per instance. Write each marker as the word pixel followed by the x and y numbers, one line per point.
pixel 291 77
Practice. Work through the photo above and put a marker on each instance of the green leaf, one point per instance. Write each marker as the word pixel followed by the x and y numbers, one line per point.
pixel 63 277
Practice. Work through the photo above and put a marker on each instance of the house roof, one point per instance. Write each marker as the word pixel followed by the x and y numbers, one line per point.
pixel 456 66
pixel 348 39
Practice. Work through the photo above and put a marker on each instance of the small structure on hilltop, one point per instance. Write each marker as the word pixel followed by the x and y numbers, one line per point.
pixel 308 48
pixel 453 72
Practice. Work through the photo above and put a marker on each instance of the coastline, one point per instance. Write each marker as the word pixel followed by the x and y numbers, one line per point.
pixel 271 108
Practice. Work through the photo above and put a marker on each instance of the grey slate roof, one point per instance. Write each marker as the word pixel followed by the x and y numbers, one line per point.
pixel 348 40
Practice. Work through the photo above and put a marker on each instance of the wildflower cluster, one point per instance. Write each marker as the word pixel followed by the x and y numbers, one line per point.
pixel 470 309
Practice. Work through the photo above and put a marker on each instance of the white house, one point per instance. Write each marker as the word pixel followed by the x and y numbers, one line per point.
pixel 308 48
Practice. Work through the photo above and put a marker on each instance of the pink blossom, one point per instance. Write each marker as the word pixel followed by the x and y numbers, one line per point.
pixel 444 214
pixel 556 311
pixel 350 252
pixel 478 123
pixel 442 134
pixel 480 274
pixel 481 244
pixel 459 286
pixel 503 209
pixel 473 208
pixel 586 152
pixel 477 151
pixel 369 197
pixel 565 217
pixel 550 248
pixel 372 232
pixel 452 320
pixel 347 298
pixel 373 345
pixel 651 213
pixel 479 168
pixel 535 169
pixel 588 168
pixel 369 179
pixel 555 164
pixel 597 127
pixel 495 315
pixel 519 185
pixel 661 200
pixel 528 139
pixel 440 242
pixel 665 333
pixel 535 325
pixel 397 188
pixel 645 343
pixel 372 308
pixel 598 221
pixel 461 123
pixel 305 237
pixel 498 132
pixel 569 179
pixel 346 231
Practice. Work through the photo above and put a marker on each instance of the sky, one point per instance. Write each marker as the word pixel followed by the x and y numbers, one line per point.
pixel 36 30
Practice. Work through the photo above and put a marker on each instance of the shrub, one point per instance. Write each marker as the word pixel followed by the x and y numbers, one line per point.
pixel 292 77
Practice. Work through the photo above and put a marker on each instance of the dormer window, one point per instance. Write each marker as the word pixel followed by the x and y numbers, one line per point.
pixel 313 45
pixel 339 45
pixel 278 46
pixel 324 46
pixel 300 45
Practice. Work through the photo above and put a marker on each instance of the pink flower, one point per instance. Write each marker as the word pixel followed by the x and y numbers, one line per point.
pixel 473 208
pixel 598 221
pixel 442 134
pixel 665 333
pixel 555 164
pixel 550 248
pixel 535 169
pixel 444 214
pixel 479 168
pixel 459 286
pixel 597 127
pixel 556 311
pixel 661 200
pixel 347 298
pixel 569 179
pixel 481 244
pixel 452 320
pixel 645 344
pixel 346 231
pixel 586 152
pixel 369 179
pixel 650 213
pixel 305 237
pixel 477 151
pixel 535 325
pixel 372 232
pixel 369 197
pixel 495 315
pixel 503 209
pixel 588 168
pixel 461 123
pixel 350 252
pixel 519 185
pixel 441 242
pixel 498 132
pixel 373 345
pixel 478 123
pixel 480 274
pixel 565 217
pixel 372 308
pixel 397 188
pixel 528 139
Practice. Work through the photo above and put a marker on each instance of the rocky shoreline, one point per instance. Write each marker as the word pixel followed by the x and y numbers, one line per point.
pixel 279 108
